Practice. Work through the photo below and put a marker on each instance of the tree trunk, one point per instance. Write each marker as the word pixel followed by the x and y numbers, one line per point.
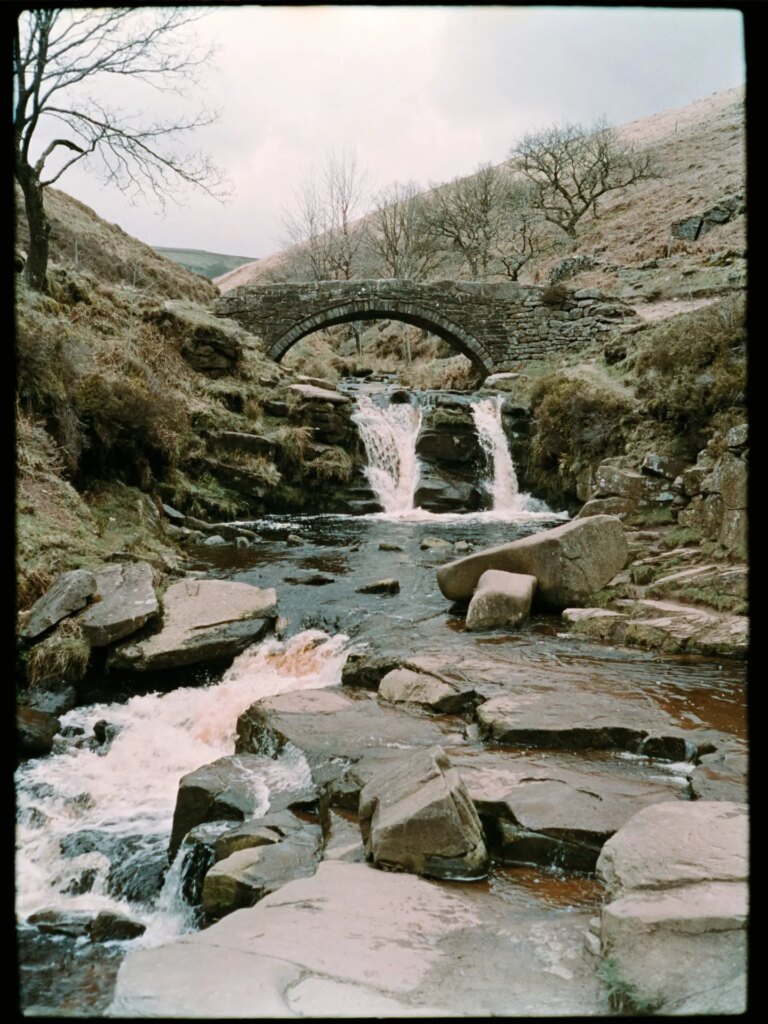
pixel 39 230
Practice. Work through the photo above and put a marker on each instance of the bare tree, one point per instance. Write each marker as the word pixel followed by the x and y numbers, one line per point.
pixel 522 233
pixel 324 223
pixel 400 232
pixel 571 167
pixel 466 213
pixel 59 51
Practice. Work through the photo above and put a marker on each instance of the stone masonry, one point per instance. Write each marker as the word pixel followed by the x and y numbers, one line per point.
pixel 495 325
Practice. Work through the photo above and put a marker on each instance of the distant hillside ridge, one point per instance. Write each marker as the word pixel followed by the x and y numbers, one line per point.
pixel 699 151
pixel 200 261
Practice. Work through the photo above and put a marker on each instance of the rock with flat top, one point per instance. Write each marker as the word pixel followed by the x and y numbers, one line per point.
pixel 315 394
pixel 501 599
pixel 404 686
pixel 569 562
pixel 674 926
pixel 203 620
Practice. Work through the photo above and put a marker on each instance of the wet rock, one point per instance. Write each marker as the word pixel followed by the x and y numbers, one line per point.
pixel 248 875
pixel 343 739
pixel 397 941
pixel 344 841
pixel 110 927
pixel 125 601
pixel 569 562
pixel 439 491
pixel 596 623
pixel 406 686
pixel 722 774
pixel 311 393
pixel 35 731
pixel 294 541
pixel 52 702
pixel 67 594
pixel 365 670
pixel 500 599
pixel 389 547
pixel 551 811
pixel 251 834
pixel 62 922
pixel 449 443
pixel 675 924
pixel 214 541
pixel 203 620
pixel 570 719
pixel 223 789
pixel 390 586
pixel 435 544
pixel 416 816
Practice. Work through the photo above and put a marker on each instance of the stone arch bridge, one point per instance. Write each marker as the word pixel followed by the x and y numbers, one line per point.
pixel 495 325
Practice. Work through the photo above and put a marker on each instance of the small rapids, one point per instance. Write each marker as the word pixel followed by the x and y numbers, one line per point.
pixel 91 822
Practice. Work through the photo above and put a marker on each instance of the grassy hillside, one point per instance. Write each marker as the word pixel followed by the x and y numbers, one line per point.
pixel 198 261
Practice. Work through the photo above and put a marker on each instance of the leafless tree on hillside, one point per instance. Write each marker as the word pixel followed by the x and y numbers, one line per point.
pixel 58 52
pixel 400 233
pixel 571 167
pixel 465 214
pixel 522 235
pixel 324 221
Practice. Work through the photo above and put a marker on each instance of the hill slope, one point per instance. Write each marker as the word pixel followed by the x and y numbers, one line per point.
pixel 199 261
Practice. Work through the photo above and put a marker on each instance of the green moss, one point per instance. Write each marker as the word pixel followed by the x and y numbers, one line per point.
pixel 332 465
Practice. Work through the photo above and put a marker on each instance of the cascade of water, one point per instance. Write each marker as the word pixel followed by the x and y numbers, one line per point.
pixel 503 484
pixel 77 807
pixel 389 434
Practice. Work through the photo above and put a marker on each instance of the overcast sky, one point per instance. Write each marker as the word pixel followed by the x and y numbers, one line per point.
pixel 420 93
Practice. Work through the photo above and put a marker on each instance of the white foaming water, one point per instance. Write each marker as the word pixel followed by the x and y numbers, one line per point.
pixel 505 492
pixel 130 790
pixel 389 434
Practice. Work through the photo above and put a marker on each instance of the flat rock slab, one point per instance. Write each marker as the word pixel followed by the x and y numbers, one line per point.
pixel 569 562
pixel 570 718
pixel 355 942
pixel 315 394
pixel 67 594
pixel 203 620
pixel 416 815
pixel 675 923
pixel 500 599
pixel 551 812
pixel 344 740
pixel 723 775
pixel 125 601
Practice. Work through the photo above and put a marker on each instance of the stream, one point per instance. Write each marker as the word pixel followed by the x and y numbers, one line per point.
pixel 93 824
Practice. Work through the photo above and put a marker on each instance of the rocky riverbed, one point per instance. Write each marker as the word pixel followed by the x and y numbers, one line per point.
pixel 534 746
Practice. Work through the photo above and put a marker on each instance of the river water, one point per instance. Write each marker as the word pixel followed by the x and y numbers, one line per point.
pixel 93 824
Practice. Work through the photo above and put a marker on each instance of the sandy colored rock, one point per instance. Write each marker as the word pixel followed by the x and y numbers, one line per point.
pixel 403 685
pixel 569 562
pixel 500 599
pixel 202 620
pixel 319 394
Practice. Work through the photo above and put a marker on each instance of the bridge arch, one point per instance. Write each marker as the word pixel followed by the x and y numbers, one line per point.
pixel 377 308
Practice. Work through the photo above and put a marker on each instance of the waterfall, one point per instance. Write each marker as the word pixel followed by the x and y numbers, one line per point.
pixel 389 434
pixel 503 484
pixel 82 812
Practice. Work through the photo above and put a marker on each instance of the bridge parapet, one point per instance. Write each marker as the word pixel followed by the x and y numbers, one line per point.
pixel 496 324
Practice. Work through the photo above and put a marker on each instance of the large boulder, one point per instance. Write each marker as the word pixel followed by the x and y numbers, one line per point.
pixel 35 731
pixel 501 599
pixel 569 562
pixel 203 620
pixel 126 600
pixel 416 816
pixel 405 686
pixel 67 594
pixel 674 928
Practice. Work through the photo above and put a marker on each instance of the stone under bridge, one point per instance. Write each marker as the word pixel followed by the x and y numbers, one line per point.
pixel 495 325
